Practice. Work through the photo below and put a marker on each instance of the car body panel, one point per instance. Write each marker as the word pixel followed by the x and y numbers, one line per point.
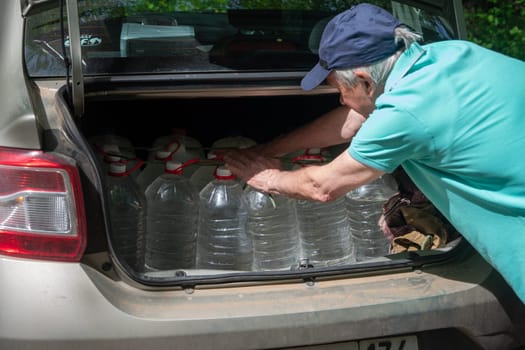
pixel 18 127
pixel 97 303
pixel 240 316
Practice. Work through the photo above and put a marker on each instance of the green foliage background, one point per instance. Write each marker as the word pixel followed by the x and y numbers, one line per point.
pixel 497 24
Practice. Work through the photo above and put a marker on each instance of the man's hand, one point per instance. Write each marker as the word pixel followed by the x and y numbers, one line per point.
pixel 252 167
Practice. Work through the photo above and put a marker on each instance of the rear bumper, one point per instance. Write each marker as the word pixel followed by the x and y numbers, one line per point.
pixel 67 305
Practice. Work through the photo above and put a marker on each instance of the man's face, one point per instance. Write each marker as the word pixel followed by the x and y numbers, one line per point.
pixel 361 97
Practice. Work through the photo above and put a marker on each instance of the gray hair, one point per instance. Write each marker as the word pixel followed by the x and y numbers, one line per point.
pixel 379 71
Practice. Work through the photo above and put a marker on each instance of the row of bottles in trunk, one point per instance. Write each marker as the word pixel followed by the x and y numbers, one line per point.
pixel 208 219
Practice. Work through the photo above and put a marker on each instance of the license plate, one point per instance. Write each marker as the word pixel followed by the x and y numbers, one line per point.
pixel 408 342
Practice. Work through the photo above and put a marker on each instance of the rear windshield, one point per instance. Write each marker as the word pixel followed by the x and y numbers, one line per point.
pixel 198 36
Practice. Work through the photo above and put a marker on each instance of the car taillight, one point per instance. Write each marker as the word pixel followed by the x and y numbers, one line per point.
pixel 41 206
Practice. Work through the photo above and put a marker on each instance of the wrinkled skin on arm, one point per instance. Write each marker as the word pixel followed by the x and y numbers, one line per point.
pixel 325 182
pixel 317 182
pixel 333 128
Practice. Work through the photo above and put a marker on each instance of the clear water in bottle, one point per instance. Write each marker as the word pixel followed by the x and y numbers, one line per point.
pixel 222 240
pixel 365 206
pixel 325 232
pixel 172 218
pixel 272 225
pixel 324 228
pixel 127 210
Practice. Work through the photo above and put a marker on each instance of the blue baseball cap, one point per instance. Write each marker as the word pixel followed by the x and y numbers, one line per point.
pixel 359 36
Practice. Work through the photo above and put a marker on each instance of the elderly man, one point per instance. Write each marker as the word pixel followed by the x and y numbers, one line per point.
pixel 451 113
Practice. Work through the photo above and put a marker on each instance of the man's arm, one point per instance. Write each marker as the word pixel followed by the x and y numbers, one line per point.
pixel 332 128
pixel 316 182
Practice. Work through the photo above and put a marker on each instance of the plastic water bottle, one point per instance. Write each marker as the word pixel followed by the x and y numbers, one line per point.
pixel 305 155
pixel 272 224
pixel 153 169
pixel 172 218
pixel 192 145
pixel 110 153
pixel 127 210
pixel 179 152
pixel 324 228
pixel 365 206
pixel 181 146
pixel 222 241
pixel 325 232
pixel 204 173
pixel 233 142
pixel 109 137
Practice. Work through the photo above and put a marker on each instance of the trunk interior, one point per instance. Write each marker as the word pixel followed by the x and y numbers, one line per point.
pixel 207 119
pixel 260 118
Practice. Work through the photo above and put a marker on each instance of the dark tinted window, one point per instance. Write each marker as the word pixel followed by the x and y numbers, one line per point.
pixel 144 36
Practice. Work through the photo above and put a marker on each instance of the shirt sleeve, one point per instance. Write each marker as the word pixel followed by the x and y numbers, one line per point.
pixel 389 137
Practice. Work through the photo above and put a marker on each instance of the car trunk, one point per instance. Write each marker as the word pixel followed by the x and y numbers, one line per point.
pixel 259 116
pixel 141 98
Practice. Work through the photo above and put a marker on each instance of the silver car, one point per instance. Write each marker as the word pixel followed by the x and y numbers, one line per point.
pixel 73 70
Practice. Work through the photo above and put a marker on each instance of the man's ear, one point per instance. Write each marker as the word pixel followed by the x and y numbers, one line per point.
pixel 367 81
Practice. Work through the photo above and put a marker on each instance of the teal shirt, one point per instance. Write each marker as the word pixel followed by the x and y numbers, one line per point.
pixel 453 116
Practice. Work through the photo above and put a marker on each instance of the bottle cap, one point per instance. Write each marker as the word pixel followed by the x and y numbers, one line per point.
pixel 117 168
pixel 171 165
pixel 111 152
pixel 223 171
pixel 111 159
pixel 162 155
